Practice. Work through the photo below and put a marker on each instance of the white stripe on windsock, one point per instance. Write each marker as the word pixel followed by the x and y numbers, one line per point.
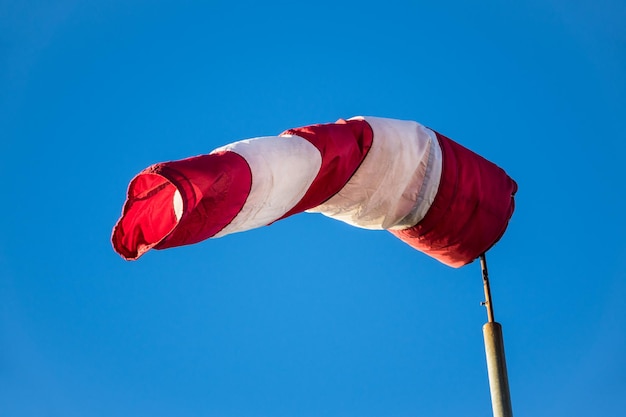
pixel 283 168
pixel 397 182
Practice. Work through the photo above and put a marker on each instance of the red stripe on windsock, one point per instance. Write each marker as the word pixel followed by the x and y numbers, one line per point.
pixel 343 146
pixel 470 212
pixel 213 188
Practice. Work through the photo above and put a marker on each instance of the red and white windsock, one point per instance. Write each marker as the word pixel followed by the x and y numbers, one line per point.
pixel 370 172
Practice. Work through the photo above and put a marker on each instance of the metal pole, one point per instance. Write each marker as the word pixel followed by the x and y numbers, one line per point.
pixel 494 350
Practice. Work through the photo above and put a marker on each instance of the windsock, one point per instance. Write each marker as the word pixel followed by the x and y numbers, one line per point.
pixel 370 172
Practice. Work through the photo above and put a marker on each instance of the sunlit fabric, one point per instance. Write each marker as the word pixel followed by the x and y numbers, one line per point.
pixel 370 172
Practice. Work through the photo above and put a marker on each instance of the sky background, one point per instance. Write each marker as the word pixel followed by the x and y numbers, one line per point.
pixel 308 317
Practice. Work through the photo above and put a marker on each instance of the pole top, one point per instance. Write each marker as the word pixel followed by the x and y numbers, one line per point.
pixel 487 303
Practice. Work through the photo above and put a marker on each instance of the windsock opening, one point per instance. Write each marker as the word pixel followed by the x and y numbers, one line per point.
pixel 149 215
pixel 181 202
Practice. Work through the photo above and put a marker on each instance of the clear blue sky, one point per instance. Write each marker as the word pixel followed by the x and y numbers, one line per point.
pixel 308 317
